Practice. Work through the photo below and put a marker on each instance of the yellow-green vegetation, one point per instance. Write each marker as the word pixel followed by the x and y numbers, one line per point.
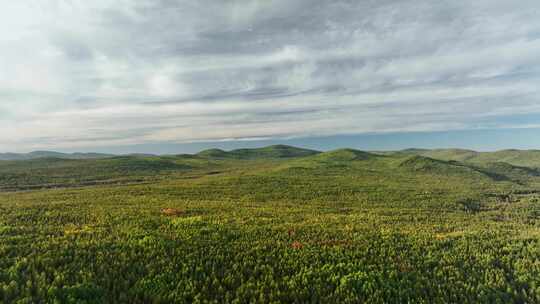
pixel 284 226
pixel 514 157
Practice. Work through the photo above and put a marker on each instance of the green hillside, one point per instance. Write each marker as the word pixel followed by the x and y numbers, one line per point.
pixel 345 155
pixel 57 172
pixel 433 166
pixel 271 225
pixel 524 158
pixel 213 153
pixel 450 154
pixel 516 173
pixel 51 154
pixel 276 151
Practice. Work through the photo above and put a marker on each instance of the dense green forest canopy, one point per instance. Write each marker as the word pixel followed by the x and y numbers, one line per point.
pixel 276 224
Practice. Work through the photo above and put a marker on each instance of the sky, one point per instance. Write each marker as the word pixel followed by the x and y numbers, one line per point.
pixel 169 76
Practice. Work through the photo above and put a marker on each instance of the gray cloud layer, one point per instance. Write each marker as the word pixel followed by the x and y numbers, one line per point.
pixel 105 73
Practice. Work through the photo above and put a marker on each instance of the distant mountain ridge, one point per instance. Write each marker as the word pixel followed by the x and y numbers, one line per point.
pixel 275 151
pixel 345 155
pixel 55 169
pixel 519 158
pixel 524 158
pixel 51 154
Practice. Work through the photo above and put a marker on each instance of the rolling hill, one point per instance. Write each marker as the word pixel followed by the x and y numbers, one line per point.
pixel 524 158
pixel 51 154
pixel 345 155
pixel 276 151
pixel 52 169
pixel 424 164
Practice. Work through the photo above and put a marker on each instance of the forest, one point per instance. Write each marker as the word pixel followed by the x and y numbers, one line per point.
pixel 278 224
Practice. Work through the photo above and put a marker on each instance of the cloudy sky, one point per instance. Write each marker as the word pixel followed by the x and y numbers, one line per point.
pixel 160 75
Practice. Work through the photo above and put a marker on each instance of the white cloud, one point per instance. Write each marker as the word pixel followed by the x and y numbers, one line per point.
pixel 94 73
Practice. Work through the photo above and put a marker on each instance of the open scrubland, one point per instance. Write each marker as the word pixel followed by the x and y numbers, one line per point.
pixel 272 225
